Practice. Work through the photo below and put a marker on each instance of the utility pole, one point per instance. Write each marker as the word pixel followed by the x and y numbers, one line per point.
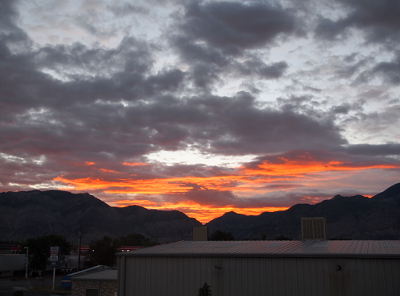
pixel 27 262
pixel 79 247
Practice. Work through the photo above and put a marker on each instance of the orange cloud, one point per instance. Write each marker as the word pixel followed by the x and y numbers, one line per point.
pixel 109 171
pixel 134 163
pixel 300 168
pixel 245 181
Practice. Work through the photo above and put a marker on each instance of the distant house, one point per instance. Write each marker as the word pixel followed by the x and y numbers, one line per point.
pixel 95 282
pixel 259 268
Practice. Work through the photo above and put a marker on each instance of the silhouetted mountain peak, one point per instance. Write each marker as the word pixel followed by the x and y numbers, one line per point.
pixel 393 192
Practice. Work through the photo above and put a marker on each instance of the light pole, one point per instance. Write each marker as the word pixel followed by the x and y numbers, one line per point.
pixel 79 247
pixel 26 263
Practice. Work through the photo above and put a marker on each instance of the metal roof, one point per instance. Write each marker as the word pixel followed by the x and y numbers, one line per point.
pixel 104 275
pixel 347 248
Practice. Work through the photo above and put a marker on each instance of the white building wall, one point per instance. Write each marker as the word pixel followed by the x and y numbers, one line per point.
pixel 155 276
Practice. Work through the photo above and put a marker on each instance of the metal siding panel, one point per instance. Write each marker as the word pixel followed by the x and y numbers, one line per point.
pixel 361 284
pixel 147 276
pixel 198 275
pixel 255 264
pixel 227 276
pixel 121 276
pixel 395 272
pixel 141 275
pixel 245 275
pixel 130 263
pixel 236 277
pixel 156 275
pixel 319 277
pixel 269 273
pixel 263 276
pixel 276 269
pixel 373 276
pixel 301 276
pixel 163 274
pixel 294 275
pixel 391 276
pixel 187 276
pixel 325 266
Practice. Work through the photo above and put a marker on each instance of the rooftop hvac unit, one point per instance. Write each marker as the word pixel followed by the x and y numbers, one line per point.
pixel 313 228
pixel 200 233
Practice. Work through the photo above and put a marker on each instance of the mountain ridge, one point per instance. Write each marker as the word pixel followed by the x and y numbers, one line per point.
pixel 35 213
pixel 351 217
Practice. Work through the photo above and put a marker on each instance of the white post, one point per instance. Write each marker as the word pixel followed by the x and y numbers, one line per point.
pixel 26 262
pixel 54 276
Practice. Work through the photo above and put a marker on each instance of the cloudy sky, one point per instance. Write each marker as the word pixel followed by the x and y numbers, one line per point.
pixel 201 106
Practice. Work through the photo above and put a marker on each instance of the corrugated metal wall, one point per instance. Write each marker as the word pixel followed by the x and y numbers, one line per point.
pixel 147 276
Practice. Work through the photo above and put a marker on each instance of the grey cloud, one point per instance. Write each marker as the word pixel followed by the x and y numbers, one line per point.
pixel 389 70
pixel 192 52
pixel 241 128
pixel 373 150
pixel 211 36
pixel 125 9
pixel 379 20
pixel 233 24
pixel 352 66
pixel 342 109
pixel 256 66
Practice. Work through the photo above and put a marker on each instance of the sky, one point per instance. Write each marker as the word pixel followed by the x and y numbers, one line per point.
pixel 200 106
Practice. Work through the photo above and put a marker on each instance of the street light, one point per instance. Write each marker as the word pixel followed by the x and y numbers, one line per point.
pixel 26 263
pixel 79 248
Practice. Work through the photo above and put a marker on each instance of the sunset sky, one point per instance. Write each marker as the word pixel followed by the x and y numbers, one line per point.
pixel 200 106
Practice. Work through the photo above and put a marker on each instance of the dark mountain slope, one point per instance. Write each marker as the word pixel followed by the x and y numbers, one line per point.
pixel 35 213
pixel 354 217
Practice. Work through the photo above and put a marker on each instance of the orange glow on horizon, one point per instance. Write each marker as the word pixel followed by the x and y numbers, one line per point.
pixel 202 213
pixel 243 182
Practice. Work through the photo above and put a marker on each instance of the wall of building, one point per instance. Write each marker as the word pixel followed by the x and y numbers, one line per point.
pixel 258 276
pixel 108 288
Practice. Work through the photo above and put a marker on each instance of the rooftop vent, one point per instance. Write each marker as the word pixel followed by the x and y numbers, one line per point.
pixel 313 228
pixel 200 233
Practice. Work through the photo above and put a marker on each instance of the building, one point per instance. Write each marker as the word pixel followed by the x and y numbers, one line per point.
pixel 97 281
pixel 252 268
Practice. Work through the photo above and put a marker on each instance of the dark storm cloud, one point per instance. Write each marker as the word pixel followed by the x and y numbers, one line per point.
pixel 10 33
pixel 389 70
pixel 211 36
pixel 257 67
pixel 353 64
pixel 240 127
pixel 373 150
pixel 378 19
pixel 233 24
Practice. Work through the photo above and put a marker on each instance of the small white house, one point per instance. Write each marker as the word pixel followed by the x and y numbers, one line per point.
pixel 260 268
pixel 98 281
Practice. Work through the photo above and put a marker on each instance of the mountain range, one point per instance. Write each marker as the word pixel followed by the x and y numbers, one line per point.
pixel 35 213
pixel 353 217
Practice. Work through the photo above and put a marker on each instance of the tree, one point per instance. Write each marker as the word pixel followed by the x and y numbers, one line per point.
pixel 39 249
pixel 103 251
pixel 221 236
pixel 136 239
pixel 205 290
